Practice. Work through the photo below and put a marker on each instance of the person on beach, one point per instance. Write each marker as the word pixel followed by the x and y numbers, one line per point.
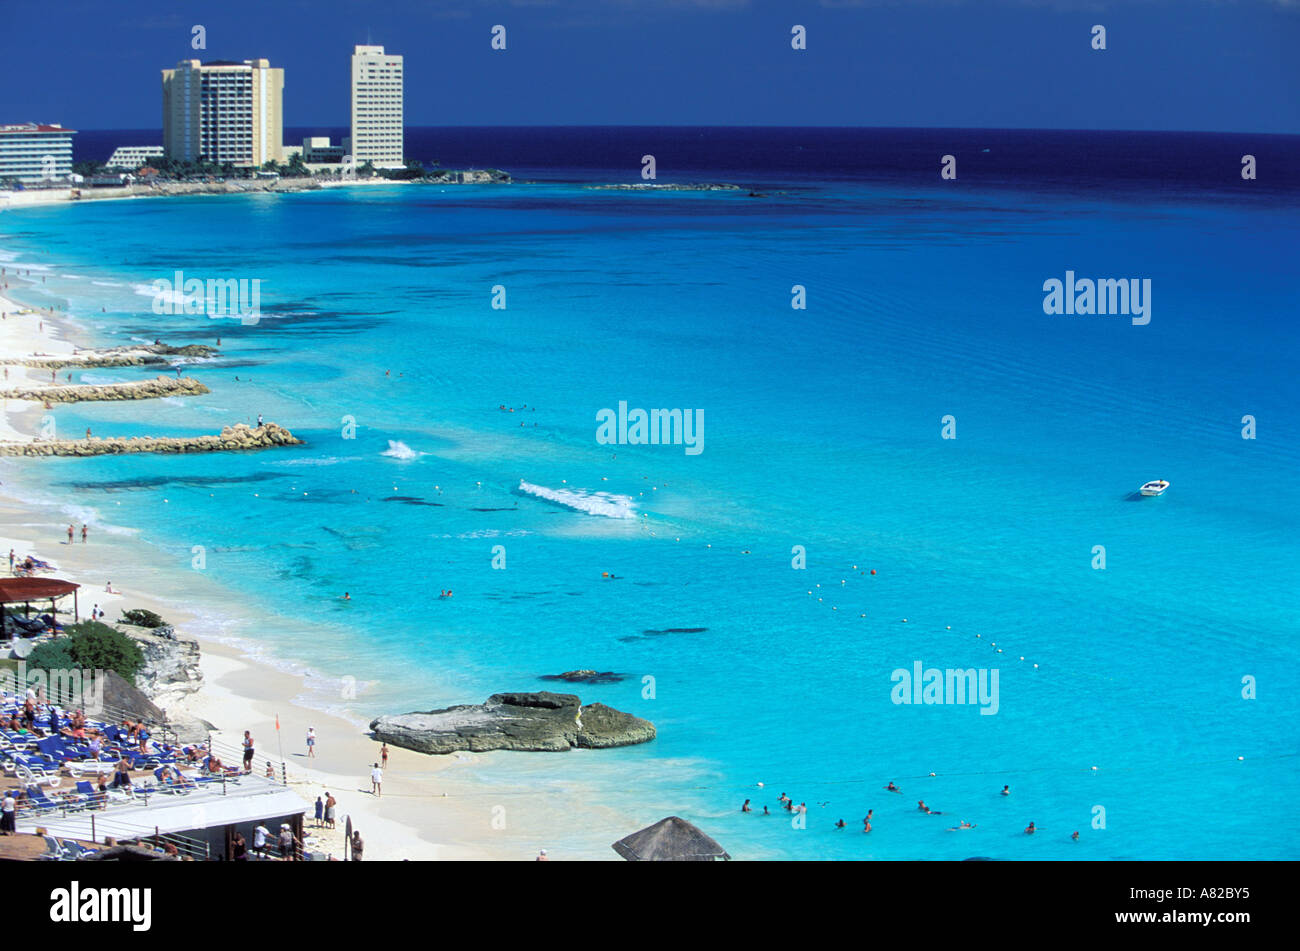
pixel 259 839
pixel 270 770
pixel 311 742
pixel 8 813
pixel 248 752
pixel 70 530
pixel 238 848
pixel 542 856
pixel 358 846
pixel 11 561
pixel 259 420
pixel 383 756
pixel 83 534
pixel 330 805
pixel 377 781
pixel 320 811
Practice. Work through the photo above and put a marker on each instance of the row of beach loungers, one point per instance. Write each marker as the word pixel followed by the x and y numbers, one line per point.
pixel 38 764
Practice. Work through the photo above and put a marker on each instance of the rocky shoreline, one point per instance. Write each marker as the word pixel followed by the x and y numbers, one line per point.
pixel 237 438
pixel 152 355
pixel 528 722
pixel 100 392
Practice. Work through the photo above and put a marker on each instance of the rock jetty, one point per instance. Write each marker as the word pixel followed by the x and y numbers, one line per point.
pixel 96 392
pixel 235 438
pixel 532 722
pixel 152 355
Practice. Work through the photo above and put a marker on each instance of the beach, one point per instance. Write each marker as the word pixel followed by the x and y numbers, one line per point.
pixel 429 810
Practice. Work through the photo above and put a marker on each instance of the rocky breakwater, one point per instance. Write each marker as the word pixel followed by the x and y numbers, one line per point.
pixel 532 722
pixel 152 355
pixel 98 392
pixel 237 438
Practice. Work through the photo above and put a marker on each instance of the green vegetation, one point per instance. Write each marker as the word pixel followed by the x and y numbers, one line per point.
pixel 414 169
pixel 143 618
pixel 90 645
pixel 182 169
pixel 88 168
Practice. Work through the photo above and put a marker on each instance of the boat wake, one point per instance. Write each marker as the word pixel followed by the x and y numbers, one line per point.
pixel 400 450
pixel 603 504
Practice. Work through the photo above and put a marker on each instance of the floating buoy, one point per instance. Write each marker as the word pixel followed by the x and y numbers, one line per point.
pixel 1094 769
pixel 873 571
pixel 1240 758
pixel 904 620
pixel 950 627
pixel 1035 666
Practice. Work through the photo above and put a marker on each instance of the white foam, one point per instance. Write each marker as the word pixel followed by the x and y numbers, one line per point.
pixel 400 450
pixel 604 504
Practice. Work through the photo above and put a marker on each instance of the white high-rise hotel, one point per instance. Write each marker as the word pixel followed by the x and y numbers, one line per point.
pixel 376 107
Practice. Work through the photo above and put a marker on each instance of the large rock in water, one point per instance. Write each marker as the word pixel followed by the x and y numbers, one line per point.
pixel 534 722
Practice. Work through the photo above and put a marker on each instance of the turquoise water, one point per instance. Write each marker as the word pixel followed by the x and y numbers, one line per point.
pixel 822 429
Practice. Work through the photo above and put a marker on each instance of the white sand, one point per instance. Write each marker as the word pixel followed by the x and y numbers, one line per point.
pixel 430 808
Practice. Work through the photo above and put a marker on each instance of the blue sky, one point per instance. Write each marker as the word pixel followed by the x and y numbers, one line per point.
pixel 1215 65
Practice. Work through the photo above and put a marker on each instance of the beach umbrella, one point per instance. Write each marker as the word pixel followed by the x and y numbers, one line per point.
pixel 670 840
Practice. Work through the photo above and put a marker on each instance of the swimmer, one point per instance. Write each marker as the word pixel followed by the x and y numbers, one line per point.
pixel 745 807
pixel 892 788
pixel 1030 830
pixel 840 824
pixel 866 825
pixel 964 825
pixel 346 596
pixel 765 812
pixel 1074 836
pixel 1006 790
pixel 921 806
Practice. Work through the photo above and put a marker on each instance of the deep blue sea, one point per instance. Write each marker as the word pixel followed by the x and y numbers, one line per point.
pixel 1120 708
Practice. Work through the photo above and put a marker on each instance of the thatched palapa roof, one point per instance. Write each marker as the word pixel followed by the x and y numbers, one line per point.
pixel 670 840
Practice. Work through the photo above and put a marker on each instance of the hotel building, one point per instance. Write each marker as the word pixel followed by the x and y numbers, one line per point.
pixel 31 153
pixel 376 107
pixel 224 112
